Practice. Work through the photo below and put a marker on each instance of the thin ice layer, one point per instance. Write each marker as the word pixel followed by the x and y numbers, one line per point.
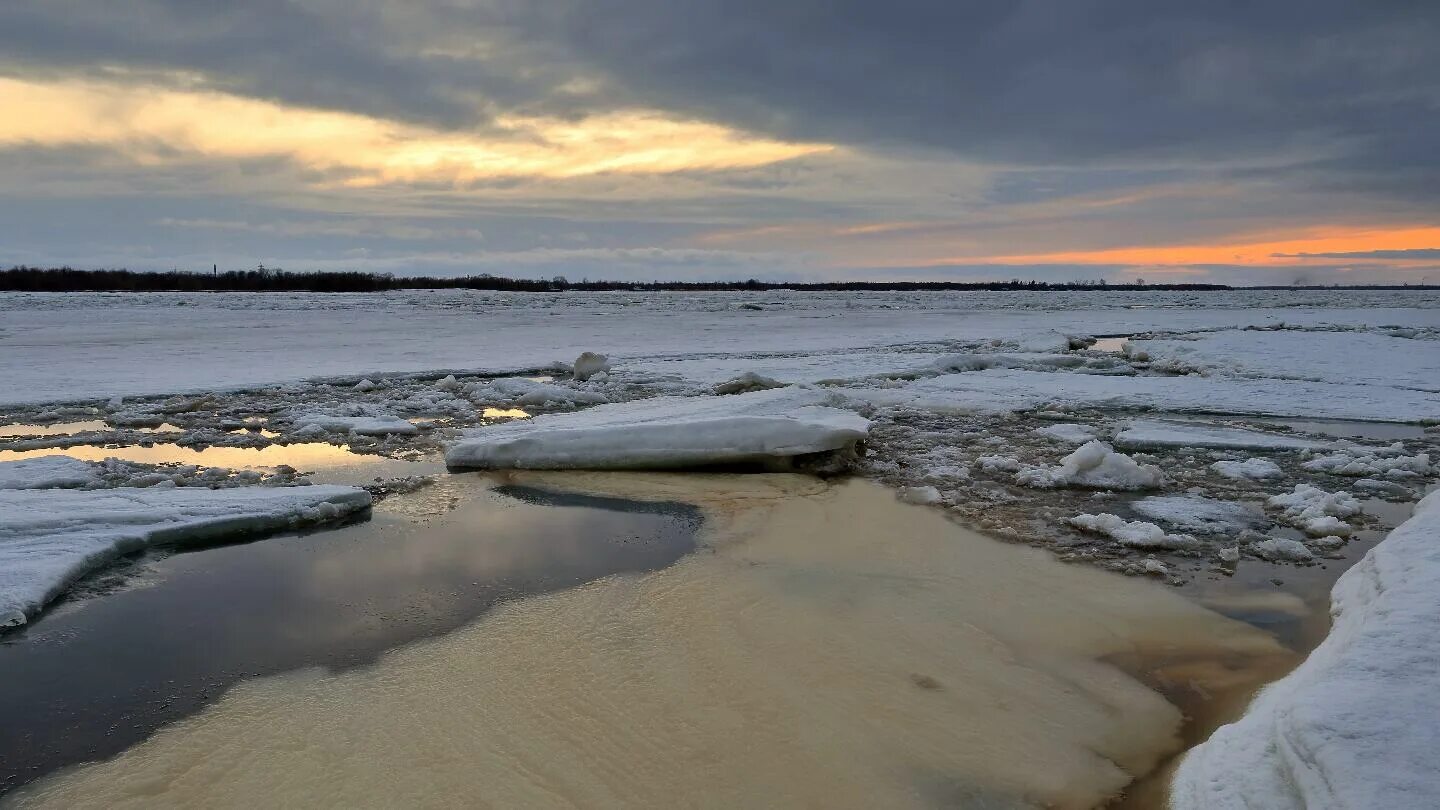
pixel 668 432
pixel 1353 726
pixel 49 537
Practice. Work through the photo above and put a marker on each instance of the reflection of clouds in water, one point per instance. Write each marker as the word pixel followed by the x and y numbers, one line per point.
pixel 837 649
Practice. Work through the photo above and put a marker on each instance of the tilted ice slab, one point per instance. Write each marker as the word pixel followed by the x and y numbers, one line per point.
pixel 668 432
pixel 1141 433
pixel 49 537
pixel 44 472
pixel 1353 726
pixel 1004 390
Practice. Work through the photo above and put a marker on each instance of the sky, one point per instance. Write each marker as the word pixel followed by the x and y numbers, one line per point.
pixel 1259 142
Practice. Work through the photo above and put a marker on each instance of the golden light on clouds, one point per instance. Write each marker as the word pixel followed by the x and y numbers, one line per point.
pixel 156 125
pixel 1282 250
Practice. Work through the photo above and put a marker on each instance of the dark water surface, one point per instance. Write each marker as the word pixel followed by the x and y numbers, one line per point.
pixel 101 672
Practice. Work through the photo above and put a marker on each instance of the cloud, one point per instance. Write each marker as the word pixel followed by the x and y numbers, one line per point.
pixel 1409 253
pixel 156 125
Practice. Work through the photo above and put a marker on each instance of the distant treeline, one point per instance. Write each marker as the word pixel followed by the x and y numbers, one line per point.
pixel 67 279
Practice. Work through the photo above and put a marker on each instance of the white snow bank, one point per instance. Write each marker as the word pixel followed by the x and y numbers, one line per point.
pixel 1353 726
pixel 48 537
pixel 1358 461
pixel 1198 514
pixel 668 432
pixel 44 472
pixel 1140 433
pixel 1255 469
pixel 1315 511
pixel 1136 534
pixel 1067 433
pixel 380 425
pixel 1096 465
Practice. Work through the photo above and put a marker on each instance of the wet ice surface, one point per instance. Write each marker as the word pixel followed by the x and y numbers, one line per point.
pixel 160 636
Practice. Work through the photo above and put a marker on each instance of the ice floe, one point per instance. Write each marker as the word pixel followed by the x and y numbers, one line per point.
pixel 1136 534
pixel 1067 433
pixel 669 432
pixel 1352 726
pixel 45 472
pixel 49 537
pixel 1095 465
pixel 1199 514
pixel 1315 511
pixel 1356 460
pixel 1146 433
pixel 379 425
pixel 1255 469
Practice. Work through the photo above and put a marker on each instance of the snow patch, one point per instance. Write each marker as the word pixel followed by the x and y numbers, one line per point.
pixel 49 537
pixel 1350 727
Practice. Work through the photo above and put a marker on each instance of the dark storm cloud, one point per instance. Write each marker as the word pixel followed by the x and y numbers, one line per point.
pixel 325 53
pixel 1058 81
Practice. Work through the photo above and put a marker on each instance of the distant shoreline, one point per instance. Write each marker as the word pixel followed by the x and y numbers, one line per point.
pixel 66 279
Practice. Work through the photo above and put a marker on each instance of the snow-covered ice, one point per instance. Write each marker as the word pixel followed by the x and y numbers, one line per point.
pixel 1199 514
pixel 1255 469
pixel 1067 433
pixel 669 432
pixel 44 472
pixel 1005 390
pixel 1353 726
pixel 378 425
pixel 1355 460
pixel 1147 433
pixel 1315 511
pixel 1363 358
pixel 49 537
pixel 533 393
pixel 1136 533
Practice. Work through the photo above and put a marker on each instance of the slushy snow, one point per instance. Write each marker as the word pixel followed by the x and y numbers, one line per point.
pixel 668 433
pixel 1353 726
pixel 49 537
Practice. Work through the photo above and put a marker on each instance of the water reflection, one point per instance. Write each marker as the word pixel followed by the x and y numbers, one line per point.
pixel 89 680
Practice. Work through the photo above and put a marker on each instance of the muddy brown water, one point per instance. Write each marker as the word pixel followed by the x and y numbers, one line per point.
pixel 160 637
pixel 834 647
